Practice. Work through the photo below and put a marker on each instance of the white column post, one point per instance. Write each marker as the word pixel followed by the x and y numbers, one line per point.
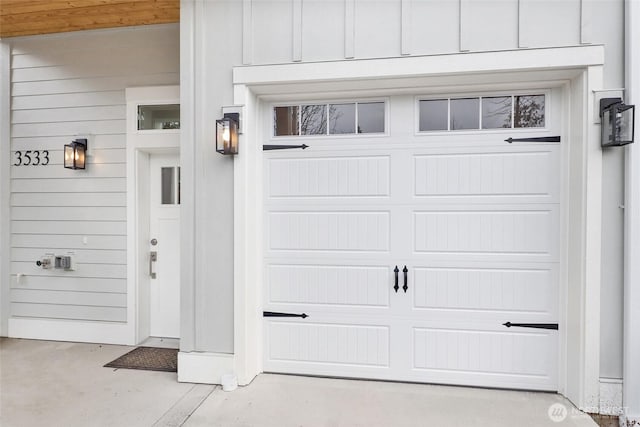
pixel 187 158
pixel 631 364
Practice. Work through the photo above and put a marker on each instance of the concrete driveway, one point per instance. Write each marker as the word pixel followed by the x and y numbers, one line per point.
pixel 64 384
pixel 282 400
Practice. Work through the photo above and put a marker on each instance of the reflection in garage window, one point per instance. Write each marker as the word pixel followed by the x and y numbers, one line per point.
pixel 342 118
pixel 285 120
pixel 491 112
pixel 465 113
pixel 313 119
pixel 496 112
pixel 371 117
pixel 434 114
pixel 529 111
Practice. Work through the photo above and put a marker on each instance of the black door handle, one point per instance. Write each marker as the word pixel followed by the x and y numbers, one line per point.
pixel 406 286
pixel 396 271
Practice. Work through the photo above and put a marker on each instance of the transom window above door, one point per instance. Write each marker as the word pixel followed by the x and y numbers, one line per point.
pixel 340 118
pixel 161 116
pixel 485 112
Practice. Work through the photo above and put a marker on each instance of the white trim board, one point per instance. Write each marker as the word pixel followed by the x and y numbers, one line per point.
pixel 581 69
pixel 610 397
pixel 631 322
pixel 190 19
pixel 204 368
pixel 416 66
pixel 71 330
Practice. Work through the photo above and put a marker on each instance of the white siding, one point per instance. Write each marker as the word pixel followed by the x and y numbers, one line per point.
pixel 550 23
pixel 272 35
pixel 324 35
pixel 377 28
pixel 63 86
pixel 488 25
pixel 314 30
pixel 435 27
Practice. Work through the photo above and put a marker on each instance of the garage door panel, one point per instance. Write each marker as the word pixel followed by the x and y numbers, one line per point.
pixel 328 343
pixel 329 231
pixel 479 175
pixel 479 379
pixel 526 291
pixel 524 232
pixel 340 177
pixel 329 285
pixel 476 222
pixel 521 354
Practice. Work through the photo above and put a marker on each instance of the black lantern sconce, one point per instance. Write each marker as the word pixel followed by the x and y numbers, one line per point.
pixel 617 121
pixel 227 130
pixel 75 154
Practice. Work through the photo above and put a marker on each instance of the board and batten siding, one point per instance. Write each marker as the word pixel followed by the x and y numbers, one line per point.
pixel 66 86
pixel 329 30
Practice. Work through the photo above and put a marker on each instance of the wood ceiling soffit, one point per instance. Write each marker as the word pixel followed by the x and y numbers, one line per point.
pixel 31 17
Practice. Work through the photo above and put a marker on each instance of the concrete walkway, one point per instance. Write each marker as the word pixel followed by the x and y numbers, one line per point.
pixel 64 384
pixel 53 384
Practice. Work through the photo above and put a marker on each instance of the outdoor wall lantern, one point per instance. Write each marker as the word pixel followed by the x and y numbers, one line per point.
pixel 75 154
pixel 227 133
pixel 617 120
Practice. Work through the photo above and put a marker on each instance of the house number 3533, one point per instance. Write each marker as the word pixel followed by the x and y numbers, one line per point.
pixel 31 158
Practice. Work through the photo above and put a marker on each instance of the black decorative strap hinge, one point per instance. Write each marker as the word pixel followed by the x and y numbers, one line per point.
pixel 282 147
pixel 538 139
pixel 532 325
pixel 276 314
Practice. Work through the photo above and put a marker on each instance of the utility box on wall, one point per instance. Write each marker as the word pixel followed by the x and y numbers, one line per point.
pixel 65 262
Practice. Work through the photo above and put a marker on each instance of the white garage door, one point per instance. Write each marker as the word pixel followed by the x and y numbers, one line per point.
pixel 466 224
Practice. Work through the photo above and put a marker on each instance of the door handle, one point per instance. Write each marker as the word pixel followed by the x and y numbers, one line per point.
pixel 396 271
pixel 153 257
pixel 406 286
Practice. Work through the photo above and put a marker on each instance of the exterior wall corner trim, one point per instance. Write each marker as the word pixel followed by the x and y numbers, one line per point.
pixel 5 149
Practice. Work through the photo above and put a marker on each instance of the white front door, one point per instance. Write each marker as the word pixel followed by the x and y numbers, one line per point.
pixel 466 220
pixel 164 245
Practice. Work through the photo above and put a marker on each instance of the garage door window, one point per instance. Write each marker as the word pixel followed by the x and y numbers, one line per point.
pixel 529 111
pixel 496 112
pixel 285 120
pixel 491 112
pixel 343 118
pixel 464 113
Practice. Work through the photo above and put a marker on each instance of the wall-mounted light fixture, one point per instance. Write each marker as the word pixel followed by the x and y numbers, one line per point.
pixel 617 121
pixel 227 130
pixel 75 154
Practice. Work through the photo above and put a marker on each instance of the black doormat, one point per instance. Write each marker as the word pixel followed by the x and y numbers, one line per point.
pixel 148 358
